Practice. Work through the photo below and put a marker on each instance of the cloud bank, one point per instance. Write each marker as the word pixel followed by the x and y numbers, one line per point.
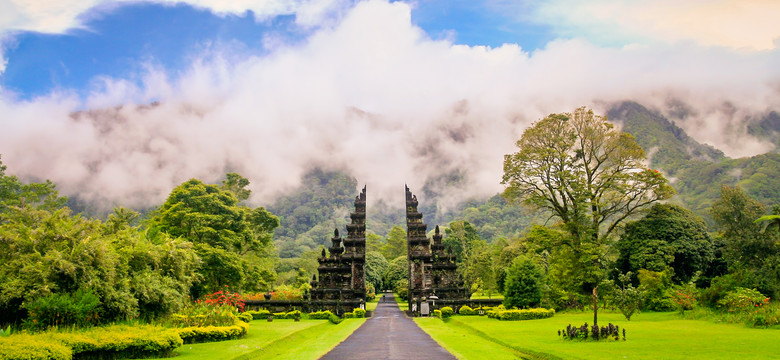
pixel 372 95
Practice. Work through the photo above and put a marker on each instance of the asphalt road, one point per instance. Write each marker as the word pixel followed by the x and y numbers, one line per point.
pixel 389 334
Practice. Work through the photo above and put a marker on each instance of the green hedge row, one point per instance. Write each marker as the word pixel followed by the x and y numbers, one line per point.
pixel 467 310
pixel 258 315
pixel 245 317
pixel 200 334
pixel 29 347
pixel 356 313
pixel 524 314
pixel 287 315
pixel 320 315
pixel 118 341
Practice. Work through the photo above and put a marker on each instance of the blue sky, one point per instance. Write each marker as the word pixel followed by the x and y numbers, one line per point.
pixel 119 41
pixel 120 101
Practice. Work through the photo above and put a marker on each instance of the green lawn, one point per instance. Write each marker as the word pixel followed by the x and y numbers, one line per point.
pixel 280 339
pixel 650 336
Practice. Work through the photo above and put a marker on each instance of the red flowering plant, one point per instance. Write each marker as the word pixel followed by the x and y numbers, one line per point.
pixel 225 298
pixel 683 297
pixel 215 309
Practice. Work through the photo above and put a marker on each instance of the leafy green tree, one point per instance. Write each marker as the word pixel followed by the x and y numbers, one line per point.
pixel 461 238
pixel 376 267
pixel 397 270
pixel 374 242
pixel 228 238
pixel 748 249
pixel 524 282
pixel 236 185
pixel 396 243
pixel 626 297
pixel 15 194
pixel 667 237
pixel 587 174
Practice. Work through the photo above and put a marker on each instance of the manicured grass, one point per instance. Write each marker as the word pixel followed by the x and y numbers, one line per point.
pixel 649 336
pixel 402 304
pixel 371 305
pixel 485 296
pixel 269 340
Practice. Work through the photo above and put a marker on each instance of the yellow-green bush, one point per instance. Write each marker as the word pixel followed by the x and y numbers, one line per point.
pixel 119 341
pixel 259 315
pixel 199 334
pixel 245 317
pixel 320 315
pixel 524 314
pixel 467 310
pixel 359 313
pixel 30 347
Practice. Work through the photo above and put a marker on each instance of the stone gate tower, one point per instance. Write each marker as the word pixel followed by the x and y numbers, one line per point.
pixel 342 283
pixel 432 269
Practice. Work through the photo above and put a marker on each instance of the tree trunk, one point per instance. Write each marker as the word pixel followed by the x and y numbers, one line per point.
pixel 596 306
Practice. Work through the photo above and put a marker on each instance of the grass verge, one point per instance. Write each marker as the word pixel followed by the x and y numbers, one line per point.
pixel 650 336
pixel 307 339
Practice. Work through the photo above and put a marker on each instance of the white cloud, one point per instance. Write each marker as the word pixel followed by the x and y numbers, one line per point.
pixel 372 94
pixel 738 24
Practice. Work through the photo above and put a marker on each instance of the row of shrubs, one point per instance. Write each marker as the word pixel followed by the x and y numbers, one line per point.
pixel 520 314
pixel 112 342
pixel 356 313
pixel 118 341
pixel 199 334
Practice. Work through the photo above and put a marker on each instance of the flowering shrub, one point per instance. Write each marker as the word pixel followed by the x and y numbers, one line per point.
pixel 286 292
pixel 225 298
pixel 684 298
pixel 743 299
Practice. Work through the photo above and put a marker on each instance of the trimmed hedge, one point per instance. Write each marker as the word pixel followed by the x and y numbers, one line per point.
pixel 467 310
pixel 437 313
pixel 29 347
pixel 200 334
pixel 245 317
pixel 287 315
pixel 447 312
pixel 258 315
pixel 320 315
pixel 357 313
pixel 119 341
pixel 517 314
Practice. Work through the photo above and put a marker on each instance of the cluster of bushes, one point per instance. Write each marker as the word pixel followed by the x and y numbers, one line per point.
pixel 295 314
pixel 327 315
pixel 258 314
pixel 357 313
pixel 520 314
pixel 77 309
pixel 199 334
pixel 245 317
pixel 444 313
pixel 467 310
pixel 116 341
pixel 585 332
pixel 201 314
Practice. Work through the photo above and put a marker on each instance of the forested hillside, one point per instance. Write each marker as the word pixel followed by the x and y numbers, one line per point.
pixel 696 171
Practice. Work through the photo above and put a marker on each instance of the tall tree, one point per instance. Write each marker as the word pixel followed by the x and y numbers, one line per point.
pixel 588 174
pixel 396 243
pixel 749 249
pixel 668 237
pixel 461 238
pixel 228 237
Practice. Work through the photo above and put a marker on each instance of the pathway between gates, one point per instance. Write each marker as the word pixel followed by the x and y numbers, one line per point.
pixel 389 334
